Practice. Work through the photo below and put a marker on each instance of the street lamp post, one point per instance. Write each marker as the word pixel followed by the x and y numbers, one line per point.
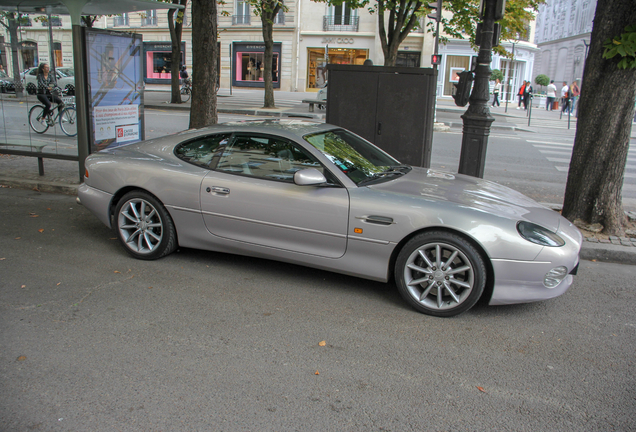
pixel 477 118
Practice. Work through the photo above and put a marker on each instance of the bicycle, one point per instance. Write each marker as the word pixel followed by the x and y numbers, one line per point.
pixel 66 116
pixel 186 90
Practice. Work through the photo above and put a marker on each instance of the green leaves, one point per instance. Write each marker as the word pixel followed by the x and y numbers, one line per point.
pixel 623 46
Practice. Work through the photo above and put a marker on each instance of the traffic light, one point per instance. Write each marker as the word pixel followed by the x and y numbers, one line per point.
pixel 437 7
pixel 436 59
pixel 462 88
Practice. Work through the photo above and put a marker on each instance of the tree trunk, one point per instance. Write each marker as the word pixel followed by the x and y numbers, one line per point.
pixel 175 38
pixel 605 113
pixel 203 111
pixel 13 34
pixel 402 21
pixel 267 20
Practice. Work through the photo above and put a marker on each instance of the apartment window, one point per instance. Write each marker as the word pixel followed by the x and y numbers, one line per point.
pixel 150 19
pixel 242 15
pixel 121 20
pixel 341 18
pixel 280 17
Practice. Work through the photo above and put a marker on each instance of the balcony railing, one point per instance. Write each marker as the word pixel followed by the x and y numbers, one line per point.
pixel 240 19
pixel 150 20
pixel 120 21
pixel 340 23
pixel 55 22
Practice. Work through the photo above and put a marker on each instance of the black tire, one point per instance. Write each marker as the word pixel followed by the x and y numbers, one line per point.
pixel 70 90
pixel 422 272
pixel 36 120
pixel 31 89
pixel 185 94
pixel 68 121
pixel 144 227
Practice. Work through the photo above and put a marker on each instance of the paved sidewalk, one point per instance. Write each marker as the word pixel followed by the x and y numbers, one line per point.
pixel 64 177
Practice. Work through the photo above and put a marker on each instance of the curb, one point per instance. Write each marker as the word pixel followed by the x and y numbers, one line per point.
pixel 41 186
pixel 241 111
pixel 608 253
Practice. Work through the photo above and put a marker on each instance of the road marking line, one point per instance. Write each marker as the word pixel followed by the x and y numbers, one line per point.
pixel 562 168
pixel 555 152
pixel 549 142
pixel 546 146
pixel 564 160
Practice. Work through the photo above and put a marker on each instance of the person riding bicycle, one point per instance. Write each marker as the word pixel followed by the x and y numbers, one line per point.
pixel 183 74
pixel 47 90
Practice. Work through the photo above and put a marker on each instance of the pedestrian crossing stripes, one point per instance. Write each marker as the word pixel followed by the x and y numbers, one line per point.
pixel 561 153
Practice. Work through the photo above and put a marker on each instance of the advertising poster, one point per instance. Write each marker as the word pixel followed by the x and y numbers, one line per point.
pixel 115 88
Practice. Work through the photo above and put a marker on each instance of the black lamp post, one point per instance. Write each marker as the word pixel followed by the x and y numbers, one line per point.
pixel 477 118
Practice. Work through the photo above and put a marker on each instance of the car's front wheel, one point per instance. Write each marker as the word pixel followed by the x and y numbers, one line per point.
pixel 144 226
pixel 440 274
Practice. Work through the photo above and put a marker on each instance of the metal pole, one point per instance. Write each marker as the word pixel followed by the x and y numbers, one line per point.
pixel 81 96
pixel 530 111
pixel 51 59
pixel 509 72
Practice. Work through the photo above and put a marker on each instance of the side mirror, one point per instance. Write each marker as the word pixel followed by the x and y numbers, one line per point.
pixel 309 177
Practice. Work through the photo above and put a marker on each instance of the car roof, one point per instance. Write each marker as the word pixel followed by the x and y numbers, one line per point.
pixel 294 126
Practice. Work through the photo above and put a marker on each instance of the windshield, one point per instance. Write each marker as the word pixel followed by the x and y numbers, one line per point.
pixel 65 72
pixel 360 160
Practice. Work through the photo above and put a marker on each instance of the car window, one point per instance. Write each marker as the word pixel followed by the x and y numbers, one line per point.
pixel 202 151
pixel 33 71
pixel 271 158
pixel 66 72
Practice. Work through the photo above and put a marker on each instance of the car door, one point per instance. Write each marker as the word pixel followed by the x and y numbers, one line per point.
pixel 251 197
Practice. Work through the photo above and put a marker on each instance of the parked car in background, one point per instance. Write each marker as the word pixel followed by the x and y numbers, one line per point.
pixel 6 83
pixel 65 80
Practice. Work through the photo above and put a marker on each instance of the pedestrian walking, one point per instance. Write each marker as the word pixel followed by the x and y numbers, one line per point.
pixel 527 95
pixel 565 97
pixel 551 95
pixel 575 91
pixel 495 93
pixel 520 94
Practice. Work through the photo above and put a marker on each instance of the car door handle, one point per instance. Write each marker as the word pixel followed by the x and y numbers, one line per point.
pixel 218 190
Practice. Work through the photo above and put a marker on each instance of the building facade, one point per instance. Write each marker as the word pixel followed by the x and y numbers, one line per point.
pixel 563 30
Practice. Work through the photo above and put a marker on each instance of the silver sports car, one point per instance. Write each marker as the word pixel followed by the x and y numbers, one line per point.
pixel 318 195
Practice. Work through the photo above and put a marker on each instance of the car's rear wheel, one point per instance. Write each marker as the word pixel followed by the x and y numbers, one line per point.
pixel 31 89
pixel 440 274
pixel 144 226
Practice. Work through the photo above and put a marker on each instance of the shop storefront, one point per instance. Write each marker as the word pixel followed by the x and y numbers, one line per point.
pixel 158 62
pixel 317 63
pixel 248 64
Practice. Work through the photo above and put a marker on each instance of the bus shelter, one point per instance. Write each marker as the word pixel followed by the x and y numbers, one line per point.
pixel 103 107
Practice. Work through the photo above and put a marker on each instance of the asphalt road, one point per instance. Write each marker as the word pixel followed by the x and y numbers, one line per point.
pixel 91 339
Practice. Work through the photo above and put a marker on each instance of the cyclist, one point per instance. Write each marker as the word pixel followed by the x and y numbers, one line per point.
pixel 46 90
pixel 183 74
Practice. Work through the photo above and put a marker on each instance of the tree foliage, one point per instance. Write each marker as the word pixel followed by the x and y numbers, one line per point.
pixel 496 74
pixel 542 80
pixel 623 46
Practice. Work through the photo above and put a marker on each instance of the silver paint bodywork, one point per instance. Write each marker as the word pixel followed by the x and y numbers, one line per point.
pixel 349 229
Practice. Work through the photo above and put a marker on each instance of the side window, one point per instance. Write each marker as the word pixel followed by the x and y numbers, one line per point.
pixel 202 151
pixel 34 71
pixel 267 157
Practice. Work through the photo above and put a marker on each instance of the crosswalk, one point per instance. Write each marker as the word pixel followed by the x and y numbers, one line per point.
pixel 560 154
pixel 243 99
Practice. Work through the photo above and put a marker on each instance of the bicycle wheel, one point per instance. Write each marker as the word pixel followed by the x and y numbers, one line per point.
pixel 68 121
pixel 185 94
pixel 37 121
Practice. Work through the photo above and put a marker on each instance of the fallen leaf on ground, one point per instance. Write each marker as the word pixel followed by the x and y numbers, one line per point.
pixel 149 287
pixel 41 230
pixel 323 343
pixel 58 284
pixel 18 238
pixel 22 358
pixel 2 259
pixel 317 373
pixel 34 215
pixel 117 271
pixel 481 389
pixel 23 286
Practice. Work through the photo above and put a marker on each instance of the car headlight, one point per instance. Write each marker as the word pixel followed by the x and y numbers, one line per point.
pixel 537 234
pixel 555 276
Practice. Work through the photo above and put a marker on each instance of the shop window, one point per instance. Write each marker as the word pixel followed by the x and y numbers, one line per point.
pixel 159 64
pixel 29 52
pixel 454 65
pixel 408 59
pixel 317 67
pixel 250 66
pixel 57 54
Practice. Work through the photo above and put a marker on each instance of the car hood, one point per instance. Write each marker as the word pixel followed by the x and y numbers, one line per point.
pixel 473 193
